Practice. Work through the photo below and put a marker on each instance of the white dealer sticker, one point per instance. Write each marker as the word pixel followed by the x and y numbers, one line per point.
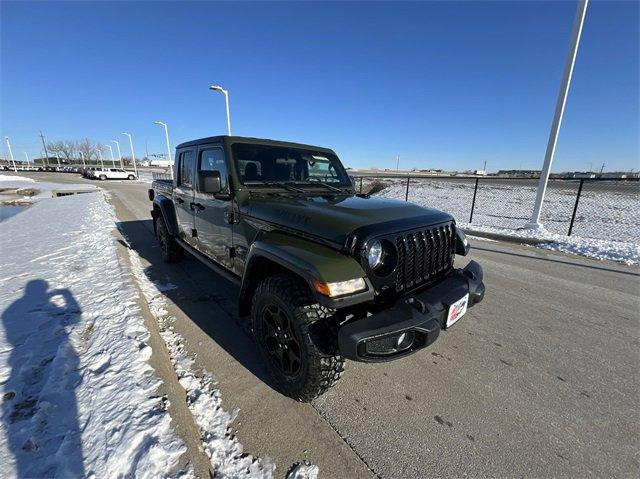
pixel 457 310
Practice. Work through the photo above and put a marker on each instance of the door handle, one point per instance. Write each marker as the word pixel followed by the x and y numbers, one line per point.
pixel 196 206
pixel 179 200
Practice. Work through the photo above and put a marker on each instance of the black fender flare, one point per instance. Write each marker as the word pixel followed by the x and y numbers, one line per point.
pixel 306 259
pixel 168 211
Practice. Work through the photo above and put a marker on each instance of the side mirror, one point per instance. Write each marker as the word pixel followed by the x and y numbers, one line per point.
pixel 209 182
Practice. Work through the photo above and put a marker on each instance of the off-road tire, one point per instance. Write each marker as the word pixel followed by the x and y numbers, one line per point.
pixel 102 177
pixel 171 250
pixel 320 362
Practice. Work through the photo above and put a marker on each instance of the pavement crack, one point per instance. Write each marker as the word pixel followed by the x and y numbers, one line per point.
pixel 346 441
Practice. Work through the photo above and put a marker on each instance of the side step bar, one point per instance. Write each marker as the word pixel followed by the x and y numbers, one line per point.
pixel 225 273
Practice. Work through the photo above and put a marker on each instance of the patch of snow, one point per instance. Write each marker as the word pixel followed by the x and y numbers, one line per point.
pixel 204 401
pixel 621 252
pixel 21 179
pixel 78 394
pixel 304 470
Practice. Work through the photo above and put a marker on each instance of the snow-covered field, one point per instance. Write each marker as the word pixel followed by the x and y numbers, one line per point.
pixel 78 396
pixel 607 222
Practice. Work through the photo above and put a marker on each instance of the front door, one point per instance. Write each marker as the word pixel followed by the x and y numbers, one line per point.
pixel 213 211
pixel 183 195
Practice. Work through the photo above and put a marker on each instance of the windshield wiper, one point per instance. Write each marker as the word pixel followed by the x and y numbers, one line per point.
pixel 316 181
pixel 286 186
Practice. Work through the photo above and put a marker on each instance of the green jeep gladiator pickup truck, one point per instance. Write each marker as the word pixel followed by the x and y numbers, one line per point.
pixel 326 274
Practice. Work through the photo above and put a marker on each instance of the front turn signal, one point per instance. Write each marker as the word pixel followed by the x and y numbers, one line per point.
pixel 340 288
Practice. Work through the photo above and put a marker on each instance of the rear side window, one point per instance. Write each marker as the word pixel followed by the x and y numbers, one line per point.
pixel 186 169
pixel 212 159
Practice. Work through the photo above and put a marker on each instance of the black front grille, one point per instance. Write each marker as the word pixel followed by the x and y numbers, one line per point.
pixel 424 255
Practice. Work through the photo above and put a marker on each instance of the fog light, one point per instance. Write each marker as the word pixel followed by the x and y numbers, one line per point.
pixel 405 340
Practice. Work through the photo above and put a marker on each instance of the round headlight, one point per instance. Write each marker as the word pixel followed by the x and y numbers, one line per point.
pixel 374 254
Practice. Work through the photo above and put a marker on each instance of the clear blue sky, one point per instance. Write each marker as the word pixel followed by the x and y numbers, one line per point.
pixel 445 85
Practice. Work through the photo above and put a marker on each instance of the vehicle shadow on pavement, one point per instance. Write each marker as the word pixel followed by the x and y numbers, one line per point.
pixel 207 299
pixel 39 408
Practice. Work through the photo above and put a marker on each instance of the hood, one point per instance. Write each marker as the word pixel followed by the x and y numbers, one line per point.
pixel 335 218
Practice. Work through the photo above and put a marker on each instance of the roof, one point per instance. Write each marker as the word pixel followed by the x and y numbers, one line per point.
pixel 258 141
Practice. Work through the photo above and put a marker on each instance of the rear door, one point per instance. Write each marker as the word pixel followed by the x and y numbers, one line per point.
pixel 183 194
pixel 213 212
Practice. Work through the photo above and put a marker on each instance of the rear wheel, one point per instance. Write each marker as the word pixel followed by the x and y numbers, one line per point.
pixel 102 177
pixel 131 177
pixel 171 250
pixel 296 338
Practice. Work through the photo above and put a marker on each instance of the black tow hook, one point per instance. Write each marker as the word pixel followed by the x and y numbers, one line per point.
pixel 417 304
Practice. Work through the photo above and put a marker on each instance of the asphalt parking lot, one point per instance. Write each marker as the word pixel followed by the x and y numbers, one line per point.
pixel 539 380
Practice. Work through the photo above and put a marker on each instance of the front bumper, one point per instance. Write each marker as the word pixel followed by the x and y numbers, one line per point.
pixel 420 317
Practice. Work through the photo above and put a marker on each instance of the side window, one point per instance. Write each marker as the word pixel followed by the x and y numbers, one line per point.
pixel 186 169
pixel 212 159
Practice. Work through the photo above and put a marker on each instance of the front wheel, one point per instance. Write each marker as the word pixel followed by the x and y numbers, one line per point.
pixel 131 177
pixel 102 177
pixel 296 338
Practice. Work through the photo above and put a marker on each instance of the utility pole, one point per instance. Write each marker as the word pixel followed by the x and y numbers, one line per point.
pixel 581 10
pixel 11 154
pixel 484 168
pixel 27 157
pixel 58 157
pixel 397 163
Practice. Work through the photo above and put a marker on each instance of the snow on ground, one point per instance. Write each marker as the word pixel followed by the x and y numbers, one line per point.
pixel 16 178
pixel 224 450
pixel 607 223
pixel 78 394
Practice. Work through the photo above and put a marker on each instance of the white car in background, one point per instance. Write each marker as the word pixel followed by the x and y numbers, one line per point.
pixel 114 174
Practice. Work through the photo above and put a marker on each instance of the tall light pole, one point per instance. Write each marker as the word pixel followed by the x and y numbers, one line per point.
pixel 6 138
pixel 84 165
pixel 44 144
pixel 581 10
pixel 27 157
pixel 112 158
pixel 166 134
pixel 58 157
pixel 119 153
pixel 133 155
pixel 100 157
pixel 226 100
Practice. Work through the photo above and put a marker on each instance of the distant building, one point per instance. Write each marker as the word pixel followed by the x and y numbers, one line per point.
pixel 519 173
pixel 616 175
pixel 580 174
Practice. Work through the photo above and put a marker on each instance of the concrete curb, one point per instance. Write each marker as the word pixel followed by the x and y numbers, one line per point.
pixel 507 238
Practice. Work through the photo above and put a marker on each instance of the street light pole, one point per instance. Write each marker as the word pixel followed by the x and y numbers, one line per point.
pixel 119 153
pixel 84 165
pixel 58 157
pixel 112 158
pixel 11 154
pixel 100 156
pixel 133 155
pixel 27 157
pixel 534 222
pixel 226 100
pixel 166 134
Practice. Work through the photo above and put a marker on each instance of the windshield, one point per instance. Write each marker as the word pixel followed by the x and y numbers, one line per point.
pixel 276 164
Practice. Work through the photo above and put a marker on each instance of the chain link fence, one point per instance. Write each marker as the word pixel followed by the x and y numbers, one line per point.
pixel 589 208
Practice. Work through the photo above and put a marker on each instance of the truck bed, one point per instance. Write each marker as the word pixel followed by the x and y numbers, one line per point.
pixel 163 186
